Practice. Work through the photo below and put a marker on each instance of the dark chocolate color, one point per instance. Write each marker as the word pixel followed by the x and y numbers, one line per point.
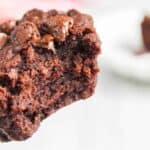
pixel 146 32
pixel 47 61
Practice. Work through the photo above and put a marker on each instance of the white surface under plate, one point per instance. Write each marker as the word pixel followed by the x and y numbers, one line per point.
pixel 120 32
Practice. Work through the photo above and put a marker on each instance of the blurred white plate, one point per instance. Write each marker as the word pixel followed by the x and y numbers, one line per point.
pixel 120 33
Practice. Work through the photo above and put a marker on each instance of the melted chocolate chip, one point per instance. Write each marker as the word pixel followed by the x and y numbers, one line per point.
pixel 26 32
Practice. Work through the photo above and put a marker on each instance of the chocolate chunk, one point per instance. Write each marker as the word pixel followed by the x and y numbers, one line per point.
pixel 59 26
pixel 3 39
pixel 26 32
pixel 52 12
pixel 47 41
pixel 35 16
pixel 8 26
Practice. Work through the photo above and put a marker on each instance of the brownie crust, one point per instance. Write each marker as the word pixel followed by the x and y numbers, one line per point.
pixel 47 61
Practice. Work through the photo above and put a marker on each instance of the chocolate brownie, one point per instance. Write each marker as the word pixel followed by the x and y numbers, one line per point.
pixel 146 32
pixel 47 61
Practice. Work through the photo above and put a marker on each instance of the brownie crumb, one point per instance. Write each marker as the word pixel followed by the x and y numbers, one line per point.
pixel 48 60
pixel 26 32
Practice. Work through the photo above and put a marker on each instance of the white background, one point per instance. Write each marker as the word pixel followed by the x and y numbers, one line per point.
pixel 124 111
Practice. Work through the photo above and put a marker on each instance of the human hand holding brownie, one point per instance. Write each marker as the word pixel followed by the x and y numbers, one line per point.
pixel 47 61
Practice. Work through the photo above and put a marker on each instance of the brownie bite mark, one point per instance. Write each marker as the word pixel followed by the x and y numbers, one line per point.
pixel 48 60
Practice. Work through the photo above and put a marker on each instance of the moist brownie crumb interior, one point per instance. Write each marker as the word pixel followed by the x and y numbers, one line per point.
pixel 47 61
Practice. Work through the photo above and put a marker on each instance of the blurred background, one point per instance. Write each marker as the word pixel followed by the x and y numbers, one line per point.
pixel 118 116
